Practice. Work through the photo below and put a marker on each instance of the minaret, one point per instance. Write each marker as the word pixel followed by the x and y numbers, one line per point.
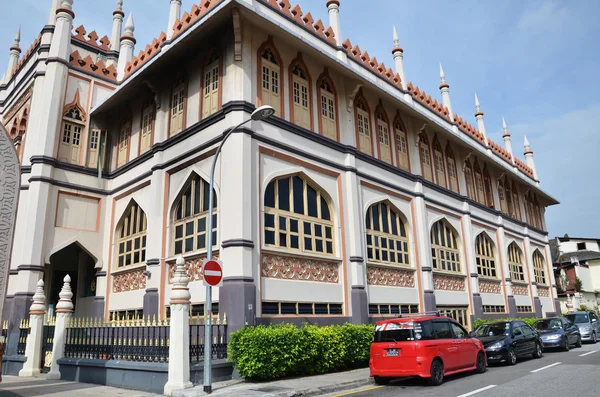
pixel 398 54
pixel 334 19
pixel 174 15
pixel 479 117
pixel 118 16
pixel 529 158
pixel 506 137
pixel 127 46
pixel 15 52
pixel 445 89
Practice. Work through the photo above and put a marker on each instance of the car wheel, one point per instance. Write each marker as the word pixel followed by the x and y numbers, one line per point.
pixel 512 356
pixel 594 337
pixel 566 347
pixel 538 351
pixel 436 372
pixel 379 380
pixel 578 344
pixel 481 364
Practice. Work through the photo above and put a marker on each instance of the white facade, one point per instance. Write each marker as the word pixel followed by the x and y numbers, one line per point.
pixel 154 125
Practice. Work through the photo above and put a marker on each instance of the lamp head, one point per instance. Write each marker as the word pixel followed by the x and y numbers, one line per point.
pixel 262 113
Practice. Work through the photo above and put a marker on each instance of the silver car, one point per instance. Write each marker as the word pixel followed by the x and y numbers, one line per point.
pixel 588 324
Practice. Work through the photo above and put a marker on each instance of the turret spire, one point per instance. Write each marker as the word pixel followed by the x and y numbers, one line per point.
pixel 445 90
pixel 506 137
pixel 333 6
pixel 174 15
pixel 479 117
pixel 398 54
pixel 442 76
pixel 126 47
pixel 117 27
pixel 529 158
pixel 18 37
pixel 13 59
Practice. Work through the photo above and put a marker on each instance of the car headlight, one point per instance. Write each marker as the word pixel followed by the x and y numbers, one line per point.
pixel 554 336
pixel 495 346
pixel 587 328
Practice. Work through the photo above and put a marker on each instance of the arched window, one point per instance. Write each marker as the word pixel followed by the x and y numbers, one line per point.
pixel 516 202
pixel 363 125
pixel 479 183
pixel 515 262
pixel 123 143
pixel 487 184
pixel 211 86
pixel 425 155
pixel 401 145
pixel 444 247
pixel 147 126
pixel 190 223
pixel 387 241
pixel 452 174
pixel 297 217
pixel 484 256
pixel 470 181
pixel 328 118
pixel 269 64
pixel 301 109
pixel 438 156
pixel 383 135
pixel 178 105
pixel 73 125
pixel 538 212
pixel 132 237
pixel 539 265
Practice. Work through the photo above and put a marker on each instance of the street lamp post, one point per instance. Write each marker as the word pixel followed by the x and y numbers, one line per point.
pixel 259 114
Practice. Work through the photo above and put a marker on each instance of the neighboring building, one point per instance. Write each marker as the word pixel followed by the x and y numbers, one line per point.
pixel 573 258
pixel 361 198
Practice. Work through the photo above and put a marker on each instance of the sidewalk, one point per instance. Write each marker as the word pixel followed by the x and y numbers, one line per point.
pixel 305 386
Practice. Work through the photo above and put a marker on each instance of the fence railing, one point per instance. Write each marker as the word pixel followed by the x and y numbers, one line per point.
pixel 48 343
pixel 219 334
pixel 23 334
pixel 141 340
pixel 4 335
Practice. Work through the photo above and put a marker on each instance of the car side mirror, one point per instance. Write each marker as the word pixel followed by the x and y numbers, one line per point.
pixel 472 334
pixel 517 332
pixel 593 320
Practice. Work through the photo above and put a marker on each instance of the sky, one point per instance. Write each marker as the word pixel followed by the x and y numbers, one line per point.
pixel 537 63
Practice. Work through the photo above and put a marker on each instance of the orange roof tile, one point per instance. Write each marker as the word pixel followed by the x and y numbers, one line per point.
pixel 97 68
pixel 92 38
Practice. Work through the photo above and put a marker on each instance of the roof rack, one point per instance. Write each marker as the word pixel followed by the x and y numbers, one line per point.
pixel 430 313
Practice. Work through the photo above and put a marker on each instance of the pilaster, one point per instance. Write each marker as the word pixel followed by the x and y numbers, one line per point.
pixel 535 300
pixel 468 243
pixel 503 261
pixel 423 248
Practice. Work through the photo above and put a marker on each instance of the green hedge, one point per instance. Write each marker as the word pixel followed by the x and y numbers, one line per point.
pixel 481 321
pixel 269 352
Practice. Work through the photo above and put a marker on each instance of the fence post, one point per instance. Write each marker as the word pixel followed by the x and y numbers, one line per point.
pixel 64 312
pixel 179 347
pixel 33 348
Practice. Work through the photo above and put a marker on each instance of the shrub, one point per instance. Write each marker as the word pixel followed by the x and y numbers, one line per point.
pixel 481 321
pixel 269 352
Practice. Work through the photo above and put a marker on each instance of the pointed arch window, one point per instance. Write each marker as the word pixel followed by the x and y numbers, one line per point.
pixel 363 126
pixel 191 218
pixel 211 85
pixel 484 256
pixel 301 111
pixel 444 248
pixel 123 143
pixel 487 184
pixel 387 240
pixel 452 174
pixel 297 217
pixel 132 237
pixel 470 181
pixel 480 189
pixel 438 157
pixel 402 155
pixel 516 202
pixel 178 105
pixel 539 266
pixel 383 135
pixel 271 78
pixel 147 129
pixel 425 155
pixel 72 128
pixel 328 118
pixel 515 262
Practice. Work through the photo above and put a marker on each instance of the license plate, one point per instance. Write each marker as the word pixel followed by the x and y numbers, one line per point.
pixel 391 352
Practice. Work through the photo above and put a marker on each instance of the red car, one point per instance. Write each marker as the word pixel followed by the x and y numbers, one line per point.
pixel 424 345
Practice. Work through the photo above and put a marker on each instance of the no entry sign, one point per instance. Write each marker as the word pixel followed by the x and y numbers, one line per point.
pixel 212 272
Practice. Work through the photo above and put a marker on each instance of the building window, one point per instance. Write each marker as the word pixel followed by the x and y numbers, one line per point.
pixel 452 174
pixel 460 314
pixel 328 118
pixel 516 202
pixel 524 309
pixel 515 262
pixel 132 237
pixel 270 79
pixel 581 246
pixel 539 266
pixel 444 248
pixel 470 181
pixel 178 102
pixel 191 218
pixel 484 256
pixel 123 146
pixel 509 199
pixel 401 145
pixel 147 126
pixel 297 217
pixel 70 143
pixel 363 126
pixel 392 309
pixel 501 195
pixel 479 183
pixel 301 96
pixel 387 241
pixel 383 134
pixel 301 309
pixel 487 184
pixel 425 155
pixel 94 148
pixel 494 309
pixel 211 86
pixel 532 209
pixel 440 169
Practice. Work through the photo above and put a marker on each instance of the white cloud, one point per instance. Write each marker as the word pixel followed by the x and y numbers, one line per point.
pixel 549 17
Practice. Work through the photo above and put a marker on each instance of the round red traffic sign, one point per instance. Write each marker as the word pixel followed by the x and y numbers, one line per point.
pixel 213 273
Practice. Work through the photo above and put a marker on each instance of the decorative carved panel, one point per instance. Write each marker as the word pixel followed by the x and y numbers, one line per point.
pixel 129 281
pixel 520 289
pixel 302 269
pixel 448 283
pixel 193 267
pixel 543 291
pixel 490 287
pixel 388 277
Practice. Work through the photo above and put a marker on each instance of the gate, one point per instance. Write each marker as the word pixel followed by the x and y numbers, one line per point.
pixel 47 343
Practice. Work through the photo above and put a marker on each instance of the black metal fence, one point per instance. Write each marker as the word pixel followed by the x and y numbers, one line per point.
pixel 23 334
pixel 4 335
pixel 219 336
pixel 48 343
pixel 141 340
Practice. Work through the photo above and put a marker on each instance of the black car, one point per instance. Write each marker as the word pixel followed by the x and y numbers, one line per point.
pixel 506 341
pixel 558 332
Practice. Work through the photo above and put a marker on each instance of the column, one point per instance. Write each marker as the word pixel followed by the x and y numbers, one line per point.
pixel 423 248
pixel 502 249
pixel 535 299
pixel 155 217
pixel 33 349
pixel 64 312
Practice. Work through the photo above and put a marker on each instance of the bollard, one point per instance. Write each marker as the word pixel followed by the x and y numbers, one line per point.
pixel 64 312
pixel 33 348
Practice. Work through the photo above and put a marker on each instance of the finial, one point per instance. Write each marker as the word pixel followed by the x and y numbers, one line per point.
pixel 444 84
pixel 504 128
pixel 129 26
pixel 478 111
pixel 39 299
pixel 120 5
pixel 66 4
pixel 180 292
pixel 527 146
pixel 64 303
pixel 396 38
pixel 18 36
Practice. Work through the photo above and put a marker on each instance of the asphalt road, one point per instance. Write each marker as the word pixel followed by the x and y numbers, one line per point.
pixel 573 373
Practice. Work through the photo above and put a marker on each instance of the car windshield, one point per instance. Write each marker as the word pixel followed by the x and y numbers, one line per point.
pixel 578 318
pixel 495 329
pixel 394 332
pixel 548 324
